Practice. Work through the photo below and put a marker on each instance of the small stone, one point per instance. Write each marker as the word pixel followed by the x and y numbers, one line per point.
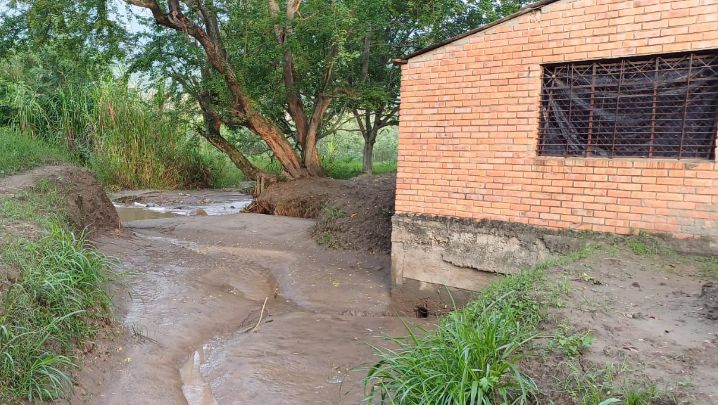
pixel 635 284
pixel 199 212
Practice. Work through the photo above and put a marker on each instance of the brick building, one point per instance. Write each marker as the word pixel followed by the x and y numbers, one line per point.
pixel 570 114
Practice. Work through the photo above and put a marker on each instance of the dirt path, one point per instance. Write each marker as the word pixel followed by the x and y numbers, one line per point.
pixel 197 286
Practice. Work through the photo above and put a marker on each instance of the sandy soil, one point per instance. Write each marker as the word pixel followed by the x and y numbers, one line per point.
pixel 647 316
pixel 86 204
pixel 198 285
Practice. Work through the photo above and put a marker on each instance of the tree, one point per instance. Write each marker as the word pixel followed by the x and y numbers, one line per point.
pixel 80 31
pixel 287 49
pixel 393 28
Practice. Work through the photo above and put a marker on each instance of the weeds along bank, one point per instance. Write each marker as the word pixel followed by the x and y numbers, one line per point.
pixel 136 139
pixel 624 322
pixel 53 299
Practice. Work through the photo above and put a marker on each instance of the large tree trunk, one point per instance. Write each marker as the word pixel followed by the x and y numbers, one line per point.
pixel 368 157
pixel 234 154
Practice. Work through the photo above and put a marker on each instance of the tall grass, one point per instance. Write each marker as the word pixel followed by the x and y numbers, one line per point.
pixel 129 140
pixel 56 304
pixel 20 152
pixel 473 356
pixel 137 145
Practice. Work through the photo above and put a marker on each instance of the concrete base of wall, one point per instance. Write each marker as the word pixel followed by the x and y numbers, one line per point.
pixel 468 254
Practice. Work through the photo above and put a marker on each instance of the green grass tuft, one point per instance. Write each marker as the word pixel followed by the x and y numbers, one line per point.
pixel 474 355
pixel 471 358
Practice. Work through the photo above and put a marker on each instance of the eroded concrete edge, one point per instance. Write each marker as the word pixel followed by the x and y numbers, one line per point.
pixel 468 254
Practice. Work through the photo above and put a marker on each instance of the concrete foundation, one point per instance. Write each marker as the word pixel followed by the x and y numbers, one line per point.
pixel 468 254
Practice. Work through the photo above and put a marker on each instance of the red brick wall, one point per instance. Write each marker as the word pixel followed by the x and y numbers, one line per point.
pixel 470 119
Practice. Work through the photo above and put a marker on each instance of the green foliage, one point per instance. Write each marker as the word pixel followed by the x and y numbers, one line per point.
pixel 22 152
pixel 353 168
pixel 474 355
pixel 327 240
pixel 597 386
pixel 341 152
pixel 126 139
pixel 471 358
pixel 138 145
pixel 644 244
pixel 55 305
pixel 332 213
pixel 588 387
pixel 573 345
pixel 31 204
pixel 79 31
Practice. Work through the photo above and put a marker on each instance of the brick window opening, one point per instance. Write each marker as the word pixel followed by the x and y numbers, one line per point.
pixel 658 107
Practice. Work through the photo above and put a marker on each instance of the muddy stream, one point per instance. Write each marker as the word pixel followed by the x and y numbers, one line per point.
pixel 191 301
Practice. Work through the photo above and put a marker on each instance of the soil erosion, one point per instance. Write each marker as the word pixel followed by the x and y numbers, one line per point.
pixel 192 307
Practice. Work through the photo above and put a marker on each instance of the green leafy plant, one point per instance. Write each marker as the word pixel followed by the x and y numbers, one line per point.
pixel 573 345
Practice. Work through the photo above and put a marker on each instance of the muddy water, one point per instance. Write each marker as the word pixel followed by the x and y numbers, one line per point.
pixel 192 309
pixel 139 213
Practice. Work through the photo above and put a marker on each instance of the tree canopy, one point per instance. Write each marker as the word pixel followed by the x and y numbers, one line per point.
pixel 280 73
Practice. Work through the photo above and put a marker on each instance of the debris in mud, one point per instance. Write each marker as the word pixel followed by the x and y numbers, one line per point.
pixel 199 212
pixel 352 214
pixel 135 205
pixel 422 311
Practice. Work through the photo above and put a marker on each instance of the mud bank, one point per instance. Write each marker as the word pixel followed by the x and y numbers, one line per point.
pixel 83 199
pixel 196 290
pixel 352 214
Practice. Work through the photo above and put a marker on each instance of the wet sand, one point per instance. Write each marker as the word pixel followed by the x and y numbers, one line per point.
pixel 194 296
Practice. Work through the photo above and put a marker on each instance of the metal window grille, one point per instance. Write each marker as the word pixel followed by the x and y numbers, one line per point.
pixel 658 107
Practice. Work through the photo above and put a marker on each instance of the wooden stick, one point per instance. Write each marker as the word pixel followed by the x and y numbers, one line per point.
pixel 261 314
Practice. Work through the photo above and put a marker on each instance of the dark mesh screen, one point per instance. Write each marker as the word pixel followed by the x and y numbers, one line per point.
pixel 662 107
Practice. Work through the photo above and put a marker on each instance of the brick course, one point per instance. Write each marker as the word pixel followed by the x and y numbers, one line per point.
pixel 470 118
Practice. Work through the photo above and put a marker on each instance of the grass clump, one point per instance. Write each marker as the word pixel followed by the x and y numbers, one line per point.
pixel 471 358
pixel 56 304
pixel 709 266
pixel 645 244
pixel 52 296
pixel 476 354
pixel 22 152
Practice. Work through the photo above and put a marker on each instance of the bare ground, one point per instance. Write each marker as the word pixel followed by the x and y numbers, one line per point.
pixel 647 315
pixel 199 284
pixel 84 200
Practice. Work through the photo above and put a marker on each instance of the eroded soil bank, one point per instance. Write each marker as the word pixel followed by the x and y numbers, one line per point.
pixel 197 285
pixel 351 214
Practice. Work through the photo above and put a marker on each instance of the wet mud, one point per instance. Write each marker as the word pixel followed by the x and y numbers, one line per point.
pixel 239 309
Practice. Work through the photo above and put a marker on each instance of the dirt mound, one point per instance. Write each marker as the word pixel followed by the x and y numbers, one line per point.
pixel 85 202
pixel 352 214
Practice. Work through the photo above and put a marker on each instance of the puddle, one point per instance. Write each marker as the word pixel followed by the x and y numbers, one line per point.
pixel 138 211
pixel 138 214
